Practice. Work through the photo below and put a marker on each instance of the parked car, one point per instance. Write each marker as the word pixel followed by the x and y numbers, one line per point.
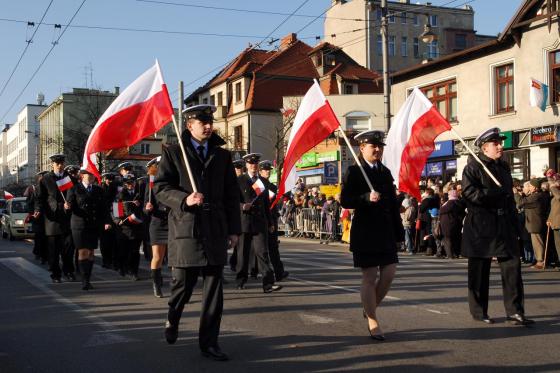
pixel 14 222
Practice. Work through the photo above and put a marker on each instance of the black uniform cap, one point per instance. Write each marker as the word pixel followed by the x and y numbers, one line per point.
pixel 128 178
pixel 71 168
pixel 58 158
pixel 491 134
pixel 203 113
pixel 252 158
pixel 374 137
pixel 108 175
pixel 125 165
pixel 265 165
pixel 239 163
pixel 154 161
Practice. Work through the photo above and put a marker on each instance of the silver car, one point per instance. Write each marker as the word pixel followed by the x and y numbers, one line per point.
pixel 15 223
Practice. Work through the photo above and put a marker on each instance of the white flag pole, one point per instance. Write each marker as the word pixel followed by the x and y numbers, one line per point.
pixel 188 166
pixel 476 157
pixel 356 158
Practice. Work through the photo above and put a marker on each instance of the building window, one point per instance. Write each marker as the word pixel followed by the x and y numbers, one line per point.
pixel 238 92
pixel 205 101
pixel 348 89
pixel 391 16
pixel 379 45
pixel 392 45
pixel 518 161
pixel 460 41
pixel 403 18
pixel 416 48
pixel 357 121
pixel 555 77
pixel 434 20
pixel 145 149
pixel 433 50
pixel 212 100
pixel 404 46
pixel 444 97
pixel 220 99
pixel 238 137
pixel 415 20
pixel 504 88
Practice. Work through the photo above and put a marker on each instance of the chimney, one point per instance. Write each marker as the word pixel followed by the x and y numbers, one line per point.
pixel 287 41
pixel 117 90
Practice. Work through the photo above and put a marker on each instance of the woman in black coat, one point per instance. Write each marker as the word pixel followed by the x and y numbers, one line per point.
pixel 89 217
pixel 376 227
pixel 451 217
pixel 158 228
pixel 129 229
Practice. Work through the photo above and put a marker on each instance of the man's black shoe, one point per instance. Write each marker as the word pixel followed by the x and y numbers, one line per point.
pixel 271 288
pixel 284 275
pixel 519 319
pixel 70 277
pixel 485 319
pixel 214 353
pixel 56 280
pixel 171 333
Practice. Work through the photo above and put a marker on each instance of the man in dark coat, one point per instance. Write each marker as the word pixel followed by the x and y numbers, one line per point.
pixel 202 224
pixel 490 230
pixel 108 240
pixel 51 205
pixel 40 247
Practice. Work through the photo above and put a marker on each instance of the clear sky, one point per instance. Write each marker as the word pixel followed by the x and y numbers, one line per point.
pixel 95 54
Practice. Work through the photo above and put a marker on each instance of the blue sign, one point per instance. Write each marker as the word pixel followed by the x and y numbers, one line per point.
pixel 331 173
pixel 451 165
pixel 434 169
pixel 313 171
pixel 442 149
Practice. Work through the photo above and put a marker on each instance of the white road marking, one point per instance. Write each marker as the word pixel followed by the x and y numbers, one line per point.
pixel 29 272
pixel 316 319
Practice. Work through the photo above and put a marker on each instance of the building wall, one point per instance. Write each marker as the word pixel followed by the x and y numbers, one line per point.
pixel 263 127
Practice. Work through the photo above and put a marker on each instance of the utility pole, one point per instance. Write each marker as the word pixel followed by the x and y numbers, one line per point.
pixel 385 50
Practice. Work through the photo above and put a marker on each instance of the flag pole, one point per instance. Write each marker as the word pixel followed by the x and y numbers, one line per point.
pixel 188 166
pixel 356 158
pixel 476 157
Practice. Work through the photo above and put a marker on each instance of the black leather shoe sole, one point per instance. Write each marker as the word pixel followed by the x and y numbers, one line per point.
pixel 171 333
pixel 272 288
pixel 485 320
pixel 214 355
pixel 521 320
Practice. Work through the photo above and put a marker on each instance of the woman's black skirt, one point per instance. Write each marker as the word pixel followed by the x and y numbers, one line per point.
pixel 86 238
pixel 158 231
pixel 368 259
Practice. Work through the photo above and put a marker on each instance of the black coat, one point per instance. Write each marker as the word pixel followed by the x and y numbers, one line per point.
pixel 490 228
pixel 451 217
pixel 160 211
pixel 32 200
pixel 51 205
pixel 376 227
pixel 536 206
pixel 198 235
pixel 259 217
pixel 89 210
pixel 129 230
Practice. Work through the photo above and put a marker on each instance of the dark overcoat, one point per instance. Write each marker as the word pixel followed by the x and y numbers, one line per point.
pixel 451 217
pixel 198 235
pixel 129 230
pixel 490 228
pixel 376 227
pixel 32 200
pixel 160 211
pixel 258 218
pixel 89 210
pixel 51 205
pixel 536 206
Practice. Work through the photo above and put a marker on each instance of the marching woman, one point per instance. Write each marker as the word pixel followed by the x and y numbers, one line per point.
pixel 376 226
pixel 158 228
pixel 90 216
pixel 129 228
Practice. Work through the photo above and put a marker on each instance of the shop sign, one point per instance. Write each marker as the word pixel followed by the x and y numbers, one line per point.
pixel 308 160
pixel 313 171
pixel 542 135
pixel 313 180
pixel 451 165
pixel 433 169
pixel 442 149
pixel 331 172
pixel 330 190
pixel 327 156
pixel 508 141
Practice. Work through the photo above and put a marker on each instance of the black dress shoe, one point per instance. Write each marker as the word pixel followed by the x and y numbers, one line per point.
pixel 171 333
pixel 214 353
pixel 375 336
pixel 519 319
pixel 485 319
pixel 270 288
pixel 70 277
pixel 56 280
pixel 284 275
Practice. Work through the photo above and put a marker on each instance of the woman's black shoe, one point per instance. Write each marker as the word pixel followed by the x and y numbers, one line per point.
pixel 171 333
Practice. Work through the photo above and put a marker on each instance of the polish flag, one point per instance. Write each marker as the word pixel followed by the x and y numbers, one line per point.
pixel 118 209
pixel 64 184
pixel 314 121
pixel 152 179
pixel 258 187
pixel 271 195
pixel 8 195
pixel 139 111
pixel 134 219
pixel 410 141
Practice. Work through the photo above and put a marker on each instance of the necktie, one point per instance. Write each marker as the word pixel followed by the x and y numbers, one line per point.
pixel 254 179
pixel 200 149
pixel 89 189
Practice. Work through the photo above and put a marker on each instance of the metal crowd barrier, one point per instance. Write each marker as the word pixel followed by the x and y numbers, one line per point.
pixel 310 223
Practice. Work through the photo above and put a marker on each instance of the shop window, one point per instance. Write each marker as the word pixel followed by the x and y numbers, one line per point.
pixel 554 77
pixel 238 92
pixel 504 85
pixel 518 161
pixel 444 97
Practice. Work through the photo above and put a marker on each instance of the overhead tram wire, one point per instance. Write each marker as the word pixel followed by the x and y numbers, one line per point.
pixel 54 44
pixel 25 49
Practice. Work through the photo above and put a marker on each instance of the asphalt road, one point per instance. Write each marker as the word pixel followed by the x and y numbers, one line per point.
pixel 313 325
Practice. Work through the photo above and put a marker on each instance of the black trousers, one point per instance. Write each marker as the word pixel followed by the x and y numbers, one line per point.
pixel 40 246
pixel 107 243
pixel 61 248
pixel 259 244
pixel 183 282
pixel 129 255
pixel 452 245
pixel 479 282
pixel 274 253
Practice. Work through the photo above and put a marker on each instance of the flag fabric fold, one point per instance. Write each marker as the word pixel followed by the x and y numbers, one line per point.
pixel 258 187
pixel 134 219
pixel 314 121
pixel 118 209
pixel 410 141
pixel 538 94
pixel 271 195
pixel 139 111
pixel 64 184
pixel 8 195
pixel 152 179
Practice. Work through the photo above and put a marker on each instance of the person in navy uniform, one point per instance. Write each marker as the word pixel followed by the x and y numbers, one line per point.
pixel 90 216
pixel 57 220
pixel 108 241
pixel 158 227
pixel 40 247
pixel 256 224
pixel 74 172
pixel 490 230
pixel 202 224
pixel 239 166
pixel 265 168
pixel 376 226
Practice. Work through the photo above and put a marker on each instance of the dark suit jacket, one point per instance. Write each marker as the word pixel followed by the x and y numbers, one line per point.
pixel 51 205
pixel 258 218
pixel 89 211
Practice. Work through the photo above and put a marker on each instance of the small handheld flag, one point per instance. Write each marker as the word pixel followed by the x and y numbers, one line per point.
pixel 118 209
pixel 134 219
pixel 271 195
pixel 152 179
pixel 8 195
pixel 64 184
pixel 258 187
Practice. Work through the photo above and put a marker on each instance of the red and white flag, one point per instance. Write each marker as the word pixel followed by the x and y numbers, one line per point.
pixel 152 179
pixel 410 141
pixel 134 219
pixel 8 195
pixel 118 209
pixel 139 111
pixel 258 187
pixel 64 184
pixel 271 195
pixel 314 122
